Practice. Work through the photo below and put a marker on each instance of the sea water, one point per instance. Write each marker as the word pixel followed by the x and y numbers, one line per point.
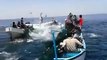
pixel 94 32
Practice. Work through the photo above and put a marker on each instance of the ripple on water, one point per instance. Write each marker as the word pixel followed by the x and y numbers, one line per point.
pixel 8 56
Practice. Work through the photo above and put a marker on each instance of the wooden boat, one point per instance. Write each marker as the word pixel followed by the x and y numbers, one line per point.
pixel 14 32
pixel 79 55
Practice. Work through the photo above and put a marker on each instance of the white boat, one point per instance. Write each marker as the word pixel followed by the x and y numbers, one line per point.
pixel 14 32
pixel 79 55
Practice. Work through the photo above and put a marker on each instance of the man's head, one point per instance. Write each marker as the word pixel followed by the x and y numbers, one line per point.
pixel 70 14
pixel 80 16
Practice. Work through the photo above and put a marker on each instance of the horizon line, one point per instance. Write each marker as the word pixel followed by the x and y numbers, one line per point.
pixel 49 16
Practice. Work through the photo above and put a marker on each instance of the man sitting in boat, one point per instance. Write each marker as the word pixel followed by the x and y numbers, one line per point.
pixel 70 44
pixel 14 25
pixel 18 24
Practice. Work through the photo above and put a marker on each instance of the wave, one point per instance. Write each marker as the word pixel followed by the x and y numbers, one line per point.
pixel 93 35
pixel 17 41
pixel 43 31
pixel 9 56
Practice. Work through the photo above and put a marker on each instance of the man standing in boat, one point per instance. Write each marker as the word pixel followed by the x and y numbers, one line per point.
pixel 14 25
pixel 80 21
pixel 69 25
pixel 22 23
pixel 18 24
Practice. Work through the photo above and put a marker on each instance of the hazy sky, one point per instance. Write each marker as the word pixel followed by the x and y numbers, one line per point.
pixel 23 8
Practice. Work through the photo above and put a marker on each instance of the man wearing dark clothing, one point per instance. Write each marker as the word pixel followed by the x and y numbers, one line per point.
pixel 22 24
pixel 18 24
pixel 69 25
pixel 14 25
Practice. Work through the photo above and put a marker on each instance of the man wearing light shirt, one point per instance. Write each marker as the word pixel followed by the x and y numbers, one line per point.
pixel 70 44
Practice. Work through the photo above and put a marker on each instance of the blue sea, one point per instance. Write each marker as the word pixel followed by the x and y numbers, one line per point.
pixel 94 32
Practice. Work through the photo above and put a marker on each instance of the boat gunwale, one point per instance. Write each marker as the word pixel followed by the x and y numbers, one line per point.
pixel 74 57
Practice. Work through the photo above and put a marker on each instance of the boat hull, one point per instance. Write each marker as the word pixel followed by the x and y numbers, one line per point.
pixel 14 32
pixel 79 57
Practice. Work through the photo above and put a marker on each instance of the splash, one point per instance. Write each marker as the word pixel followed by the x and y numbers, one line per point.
pixel 29 40
pixel 43 31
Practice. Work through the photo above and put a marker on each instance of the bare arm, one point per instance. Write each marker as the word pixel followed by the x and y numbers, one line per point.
pixel 78 42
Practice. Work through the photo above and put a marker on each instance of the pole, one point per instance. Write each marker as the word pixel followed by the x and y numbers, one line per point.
pixel 54 44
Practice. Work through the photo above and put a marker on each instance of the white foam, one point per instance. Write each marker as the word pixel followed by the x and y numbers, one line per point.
pixel 17 41
pixel 9 56
pixel 36 59
pixel 5 54
pixel 29 40
pixel 93 35
pixel 43 31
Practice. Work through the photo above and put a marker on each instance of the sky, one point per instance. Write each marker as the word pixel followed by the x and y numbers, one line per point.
pixel 32 8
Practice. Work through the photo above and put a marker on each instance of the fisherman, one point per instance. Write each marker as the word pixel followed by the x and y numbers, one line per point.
pixel 22 24
pixel 69 25
pixel 76 23
pixel 18 24
pixel 70 45
pixel 75 19
pixel 80 21
pixel 14 25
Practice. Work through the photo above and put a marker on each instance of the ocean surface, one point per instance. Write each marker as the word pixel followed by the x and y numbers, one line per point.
pixel 94 32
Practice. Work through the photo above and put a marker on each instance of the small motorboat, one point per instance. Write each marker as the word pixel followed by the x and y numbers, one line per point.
pixel 14 32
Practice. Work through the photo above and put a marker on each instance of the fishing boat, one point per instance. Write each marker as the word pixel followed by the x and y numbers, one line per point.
pixel 78 55
pixel 14 32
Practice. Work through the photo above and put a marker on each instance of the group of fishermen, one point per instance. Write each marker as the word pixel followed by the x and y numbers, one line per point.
pixel 73 26
pixel 20 24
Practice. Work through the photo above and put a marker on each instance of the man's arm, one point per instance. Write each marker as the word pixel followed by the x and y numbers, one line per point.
pixel 78 42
